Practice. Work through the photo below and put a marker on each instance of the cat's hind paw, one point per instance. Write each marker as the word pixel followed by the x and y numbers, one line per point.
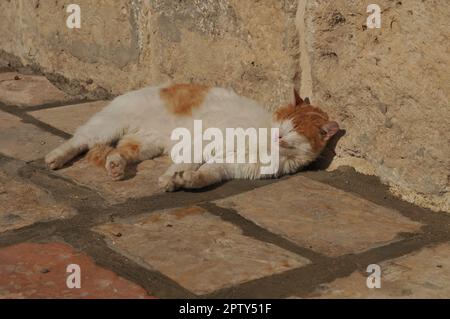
pixel 115 166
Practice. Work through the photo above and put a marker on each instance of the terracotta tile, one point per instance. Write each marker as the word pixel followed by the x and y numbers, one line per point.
pixel 31 270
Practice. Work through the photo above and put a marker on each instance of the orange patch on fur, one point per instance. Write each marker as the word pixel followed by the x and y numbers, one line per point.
pixel 97 154
pixel 181 99
pixel 307 120
pixel 129 150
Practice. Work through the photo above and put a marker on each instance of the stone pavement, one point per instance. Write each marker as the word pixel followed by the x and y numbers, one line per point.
pixel 310 235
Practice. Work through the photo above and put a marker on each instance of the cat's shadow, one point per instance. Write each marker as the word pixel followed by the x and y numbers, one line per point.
pixel 130 172
pixel 327 155
pixel 204 189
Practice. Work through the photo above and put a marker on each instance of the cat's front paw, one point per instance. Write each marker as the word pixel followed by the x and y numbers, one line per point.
pixel 165 183
pixel 170 183
pixel 115 166
pixel 175 182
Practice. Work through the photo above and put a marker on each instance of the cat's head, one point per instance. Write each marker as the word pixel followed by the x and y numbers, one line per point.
pixel 304 129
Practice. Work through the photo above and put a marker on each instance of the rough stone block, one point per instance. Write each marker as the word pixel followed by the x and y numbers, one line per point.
pixel 320 217
pixel 197 249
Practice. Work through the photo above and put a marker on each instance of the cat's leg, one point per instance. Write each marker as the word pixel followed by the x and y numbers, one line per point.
pixel 207 174
pixel 65 152
pixel 213 173
pixel 167 181
pixel 132 148
pixel 96 131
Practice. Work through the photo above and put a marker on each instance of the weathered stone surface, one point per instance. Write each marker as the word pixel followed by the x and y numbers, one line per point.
pixel 24 204
pixel 320 217
pixel 423 274
pixel 389 89
pixel 27 90
pixel 69 118
pixel 249 46
pixel 24 141
pixel 197 249
pixel 32 270
pixel 140 180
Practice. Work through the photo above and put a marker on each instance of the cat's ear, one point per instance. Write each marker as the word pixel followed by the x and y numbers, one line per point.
pixel 296 99
pixel 329 129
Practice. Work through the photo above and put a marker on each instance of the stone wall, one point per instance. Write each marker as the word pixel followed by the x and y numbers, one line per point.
pixel 126 44
pixel 388 87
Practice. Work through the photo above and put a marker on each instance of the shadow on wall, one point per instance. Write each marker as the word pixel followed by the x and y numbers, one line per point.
pixel 326 157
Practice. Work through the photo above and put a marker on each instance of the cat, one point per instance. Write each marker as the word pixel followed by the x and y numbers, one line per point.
pixel 137 126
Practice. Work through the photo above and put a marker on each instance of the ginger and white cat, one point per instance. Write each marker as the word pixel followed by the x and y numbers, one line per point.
pixel 138 125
